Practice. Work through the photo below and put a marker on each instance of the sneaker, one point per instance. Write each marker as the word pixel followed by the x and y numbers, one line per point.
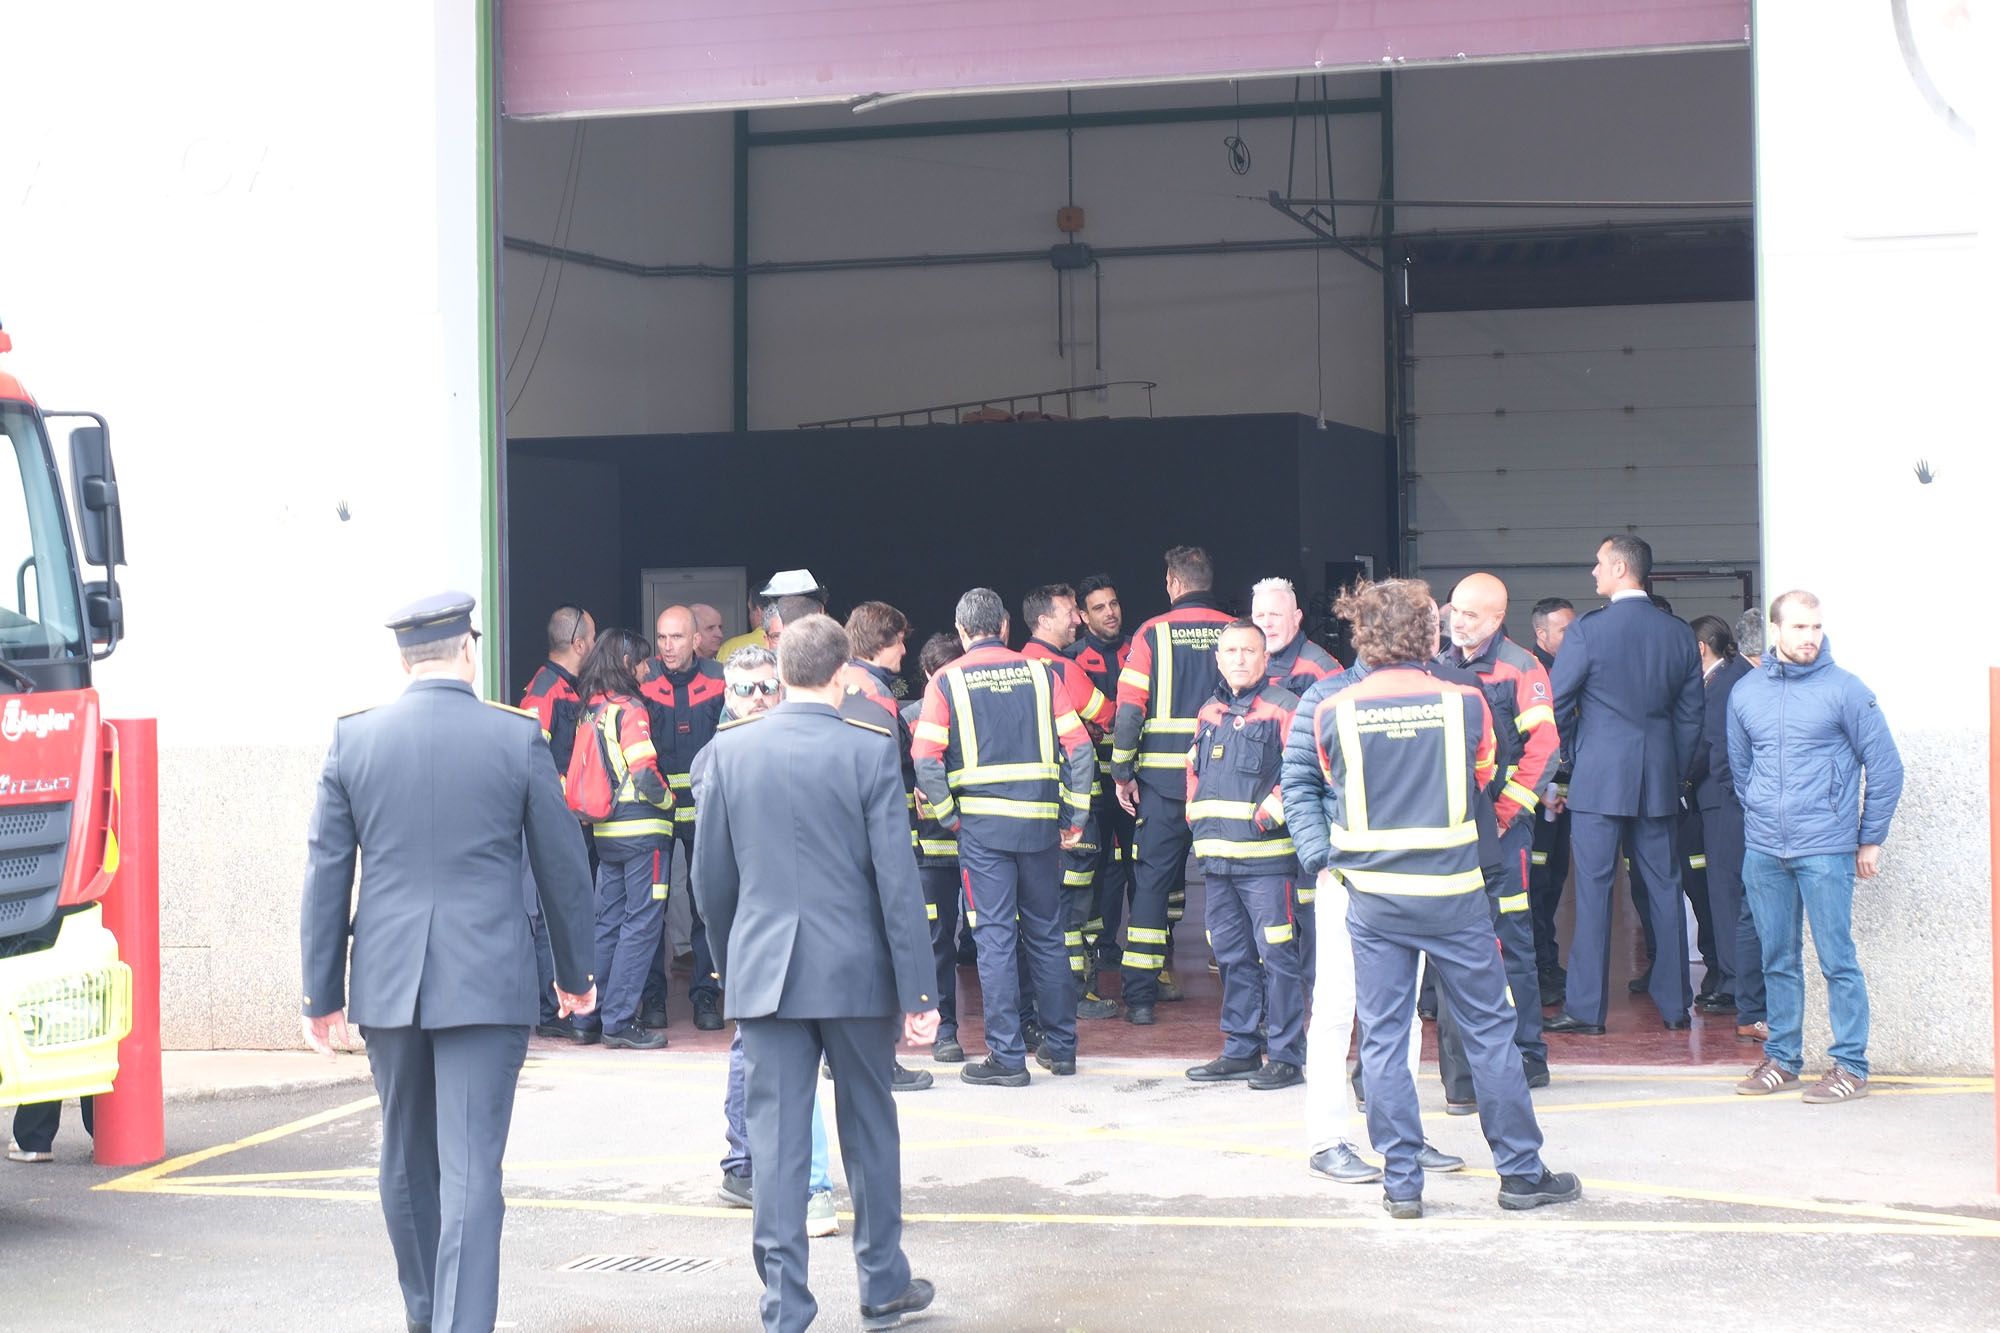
pixel 1522 1192
pixel 948 1051
pixel 735 1189
pixel 1342 1163
pixel 1757 1031
pixel 1225 1068
pixel 1276 1074
pixel 1139 1015
pixel 1170 990
pixel 1047 1060
pixel 918 1297
pixel 1096 1006
pixel 1436 1159
pixel 707 1014
pixel 820 1219
pixel 908 1080
pixel 988 1074
pixel 1768 1077
pixel 16 1153
pixel 654 1016
pixel 1838 1086
pixel 1403 1210
pixel 636 1038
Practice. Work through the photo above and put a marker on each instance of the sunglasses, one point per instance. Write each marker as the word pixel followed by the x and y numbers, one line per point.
pixel 743 689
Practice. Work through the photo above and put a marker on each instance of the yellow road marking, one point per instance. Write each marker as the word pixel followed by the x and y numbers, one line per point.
pixel 144 1176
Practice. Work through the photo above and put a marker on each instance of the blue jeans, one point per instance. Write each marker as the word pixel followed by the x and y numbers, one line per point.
pixel 737 1159
pixel 1780 889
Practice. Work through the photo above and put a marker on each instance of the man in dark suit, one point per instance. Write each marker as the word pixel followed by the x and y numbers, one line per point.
pixel 435 795
pixel 808 885
pixel 1630 673
pixel 1740 985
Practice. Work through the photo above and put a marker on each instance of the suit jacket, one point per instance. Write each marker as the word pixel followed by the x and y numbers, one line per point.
pixel 435 795
pixel 1631 674
pixel 1710 773
pixel 804 872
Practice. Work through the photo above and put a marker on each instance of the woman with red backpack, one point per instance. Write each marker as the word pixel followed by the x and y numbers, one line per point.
pixel 615 786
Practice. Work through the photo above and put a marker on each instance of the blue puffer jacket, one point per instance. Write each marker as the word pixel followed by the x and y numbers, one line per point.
pixel 1799 739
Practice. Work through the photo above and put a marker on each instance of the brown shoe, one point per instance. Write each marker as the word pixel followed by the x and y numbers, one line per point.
pixel 1757 1031
pixel 1767 1078
pixel 1837 1086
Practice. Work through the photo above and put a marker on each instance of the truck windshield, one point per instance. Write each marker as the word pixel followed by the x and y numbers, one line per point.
pixel 39 615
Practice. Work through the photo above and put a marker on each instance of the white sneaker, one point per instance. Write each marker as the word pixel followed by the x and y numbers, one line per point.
pixel 16 1153
pixel 820 1219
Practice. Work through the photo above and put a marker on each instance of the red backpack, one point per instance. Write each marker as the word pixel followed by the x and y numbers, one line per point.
pixel 596 765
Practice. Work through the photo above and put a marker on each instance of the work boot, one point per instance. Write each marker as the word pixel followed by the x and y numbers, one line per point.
pixel 1139 1015
pixel 559 1028
pixel 707 1016
pixel 1031 1033
pixel 948 1051
pixel 1403 1210
pixel 636 1038
pixel 1093 1005
pixel 1170 990
pixel 654 1016
pixel 1535 1072
pixel 1225 1068
pixel 908 1080
pixel 1342 1163
pixel 988 1074
pixel 1522 1192
pixel 1047 1060
pixel 1276 1074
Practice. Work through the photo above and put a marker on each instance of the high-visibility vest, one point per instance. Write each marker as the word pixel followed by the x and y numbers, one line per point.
pixel 1168 675
pixel 1233 807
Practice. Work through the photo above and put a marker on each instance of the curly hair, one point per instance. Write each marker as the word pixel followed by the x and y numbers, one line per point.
pixel 1394 620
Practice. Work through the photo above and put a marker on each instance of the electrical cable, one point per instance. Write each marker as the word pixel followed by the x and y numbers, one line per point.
pixel 556 292
pixel 562 207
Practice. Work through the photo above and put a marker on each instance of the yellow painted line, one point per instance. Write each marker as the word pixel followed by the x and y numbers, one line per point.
pixel 1736 1099
pixel 140 1179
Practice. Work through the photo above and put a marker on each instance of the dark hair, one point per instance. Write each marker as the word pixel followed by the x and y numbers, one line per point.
pixel 1095 583
pixel 813 649
pixel 1191 566
pixel 940 650
pixel 1241 623
pixel 796 606
pixel 981 613
pixel 1660 602
pixel 609 668
pixel 1394 620
pixel 1547 607
pixel 1636 552
pixel 1040 601
pixel 873 626
pixel 565 626
pixel 1711 631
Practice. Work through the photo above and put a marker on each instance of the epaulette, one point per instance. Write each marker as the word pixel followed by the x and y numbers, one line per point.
pixel 737 722
pixel 868 726
pixel 531 716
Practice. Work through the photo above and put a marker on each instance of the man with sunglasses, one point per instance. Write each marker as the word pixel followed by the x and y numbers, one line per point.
pixel 551 696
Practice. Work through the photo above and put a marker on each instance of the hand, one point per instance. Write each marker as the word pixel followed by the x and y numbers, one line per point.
pixel 1868 860
pixel 1069 837
pixel 920 1029
pixel 567 1004
pixel 1554 802
pixel 1325 881
pixel 328 1033
pixel 1128 795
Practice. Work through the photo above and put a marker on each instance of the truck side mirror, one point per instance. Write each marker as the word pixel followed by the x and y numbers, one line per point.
pixel 105 610
pixel 97 516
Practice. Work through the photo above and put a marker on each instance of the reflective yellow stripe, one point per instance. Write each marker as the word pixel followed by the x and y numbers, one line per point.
pixel 1539 858
pixel 1170 726
pixel 659 893
pixel 1698 862
pixel 1514 902
pixel 1133 676
pixel 1307 895
pixel 1000 805
pixel 1044 708
pixel 1414 886
pixel 1535 717
pixel 1454 758
pixel 1520 795
pixel 1161 759
pixel 1077 963
pixel 1242 851
pixel 1094 705
pixel 961 717
pixel 680 781
pixel 958 777
pixel 930 911
pixel 1274 806
pixel 633 828
pixel 1163 669
pixel 634 753
pixel 971 917
pixel 1221 810
pixel 1147 962
pixel 1278 934
pixel 684 814
pixel 1077 879
pixel 1402 839
pixel 1145 935
pixel 1077 800
pixel 934 733
pixel 938 846
pixel 944 809
pixel 1122 756
pixel 1073 938
pixel 1354 790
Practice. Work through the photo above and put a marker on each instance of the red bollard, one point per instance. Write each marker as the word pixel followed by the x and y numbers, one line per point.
pixel 131 1118
pixel 1993 872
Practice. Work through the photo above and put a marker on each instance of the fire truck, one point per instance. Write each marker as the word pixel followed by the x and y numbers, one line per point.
pixel 65 998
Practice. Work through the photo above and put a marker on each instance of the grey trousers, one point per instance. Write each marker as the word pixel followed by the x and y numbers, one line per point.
pixel 447 1103
pixel 781 1059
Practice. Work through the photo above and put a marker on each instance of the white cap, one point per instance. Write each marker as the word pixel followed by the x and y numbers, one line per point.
pixel 790 582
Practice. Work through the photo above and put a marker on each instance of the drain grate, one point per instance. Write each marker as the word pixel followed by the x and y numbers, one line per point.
pixel 675 1265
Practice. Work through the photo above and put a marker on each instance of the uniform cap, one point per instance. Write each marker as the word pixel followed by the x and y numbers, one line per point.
pixel 442 615
pixel 789 583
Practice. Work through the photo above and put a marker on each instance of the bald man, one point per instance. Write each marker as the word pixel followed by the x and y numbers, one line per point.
pixel 1524 731
pixel 684 693
pixel 707 631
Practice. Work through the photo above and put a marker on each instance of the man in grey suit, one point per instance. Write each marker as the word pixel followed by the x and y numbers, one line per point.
pixel 435 795
pixel 1629 674
pixel 805 877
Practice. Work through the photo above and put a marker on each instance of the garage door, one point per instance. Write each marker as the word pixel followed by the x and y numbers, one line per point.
pixel 1538 432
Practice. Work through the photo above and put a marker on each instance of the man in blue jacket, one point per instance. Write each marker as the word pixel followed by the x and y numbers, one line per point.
pixel 1801 733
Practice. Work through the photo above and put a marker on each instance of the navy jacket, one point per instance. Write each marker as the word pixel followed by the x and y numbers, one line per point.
pixel 1710 775
pixel 1799 740
pixel 1630 673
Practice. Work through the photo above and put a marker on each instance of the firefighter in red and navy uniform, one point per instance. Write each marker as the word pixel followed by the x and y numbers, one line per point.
pixel 1168 676
pixel 937 868
pixel 999 750
pixel 1297 663
pixel 551 696
pixel 684 693
pixel 1237 815
pixel 1524 723
pixel 1100 649
pixel 1051 616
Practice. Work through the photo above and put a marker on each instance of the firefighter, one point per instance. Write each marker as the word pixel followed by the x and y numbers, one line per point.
pixel 1169 674
pixel 937 867
pixel 552 697
pixel 1051 616
pixel 1548 866
pixel 1297 663
pixel 1524 724
pixel 684 694
pixel 632 842
pixel 1100 649
pixel 1237 815
pixel 999 750
pixel 1404 755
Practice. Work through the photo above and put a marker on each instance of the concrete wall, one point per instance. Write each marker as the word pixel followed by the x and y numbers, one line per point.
pixel 1877 353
